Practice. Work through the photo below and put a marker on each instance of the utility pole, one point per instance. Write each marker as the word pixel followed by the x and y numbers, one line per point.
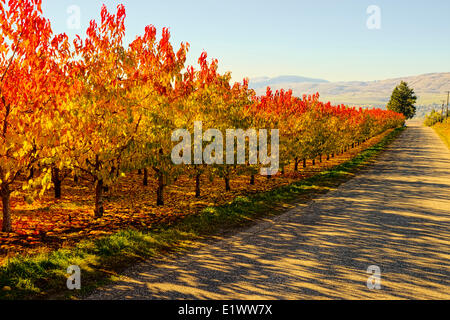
pixel 442 111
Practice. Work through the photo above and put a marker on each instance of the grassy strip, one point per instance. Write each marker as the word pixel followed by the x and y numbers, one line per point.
pixel 443 130
pixel 42 276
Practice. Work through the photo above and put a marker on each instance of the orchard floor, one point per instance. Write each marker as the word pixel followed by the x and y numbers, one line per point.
pixel 48 224
pixel 395 215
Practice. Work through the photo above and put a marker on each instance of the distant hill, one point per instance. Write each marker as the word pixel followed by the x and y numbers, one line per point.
pixel 264 82
pixel 430 89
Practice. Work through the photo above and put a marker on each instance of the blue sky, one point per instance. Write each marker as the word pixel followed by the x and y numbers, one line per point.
pixel 322 39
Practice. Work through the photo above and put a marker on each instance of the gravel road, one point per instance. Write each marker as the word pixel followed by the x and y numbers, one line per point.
pixel 394 215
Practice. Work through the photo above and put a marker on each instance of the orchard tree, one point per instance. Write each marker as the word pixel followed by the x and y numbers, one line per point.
pixel 402 100
pixel 33 75
pixel 160 90
pixel 200 105
pixel 103 121
pixel 220 107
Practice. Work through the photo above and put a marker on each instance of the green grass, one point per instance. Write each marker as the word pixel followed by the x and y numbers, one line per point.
pixel 44 276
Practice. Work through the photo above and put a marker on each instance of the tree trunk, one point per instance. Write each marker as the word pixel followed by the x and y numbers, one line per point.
pixel 313 162
pixel 56 179
pixel 75 178
pixel 6 196
pixel 296 165
pixel 252 179
pixel 197 185
pixel 99 199
pixel 328 157
pixel 304 163
pixel 282 170
pixel 145 181
pixel 320 158
pixel 139 172
pixel 160 191
pixel 227 183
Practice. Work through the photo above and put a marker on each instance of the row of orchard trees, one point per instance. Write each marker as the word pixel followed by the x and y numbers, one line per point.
pixel 312 129
pixel 99 109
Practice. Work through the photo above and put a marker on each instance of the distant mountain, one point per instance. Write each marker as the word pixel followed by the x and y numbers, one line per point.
pixel 430 89
pixel 264 82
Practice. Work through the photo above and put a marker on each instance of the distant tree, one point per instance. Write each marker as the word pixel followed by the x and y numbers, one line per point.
pixel 402 100
pixel 432 118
